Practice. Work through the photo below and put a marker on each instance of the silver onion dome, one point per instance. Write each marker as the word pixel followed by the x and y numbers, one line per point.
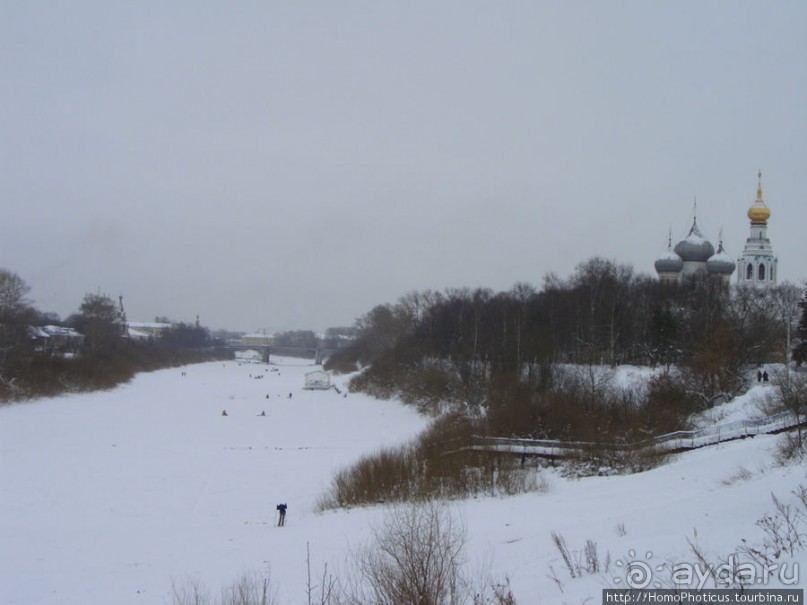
pixel 720 262
pixel 694 247
pixel 669 262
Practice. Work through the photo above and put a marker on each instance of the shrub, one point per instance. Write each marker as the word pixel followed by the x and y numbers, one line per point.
pixel 438 464
pixel 415 556
pixel 250 588
pixel 580 562
pixel 41 375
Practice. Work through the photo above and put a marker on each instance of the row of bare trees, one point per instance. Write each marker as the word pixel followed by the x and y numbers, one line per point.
pixel 104 357
pixel 454 343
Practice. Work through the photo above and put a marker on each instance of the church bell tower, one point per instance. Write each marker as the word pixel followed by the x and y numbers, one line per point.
pixel 757 264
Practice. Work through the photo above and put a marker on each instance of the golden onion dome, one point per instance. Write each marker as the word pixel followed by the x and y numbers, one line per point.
pixel 759 213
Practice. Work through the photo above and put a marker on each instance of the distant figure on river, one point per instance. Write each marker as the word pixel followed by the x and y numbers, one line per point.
pixel 281 519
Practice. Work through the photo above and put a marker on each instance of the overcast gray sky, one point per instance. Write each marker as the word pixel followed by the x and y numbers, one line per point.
pixel 286 165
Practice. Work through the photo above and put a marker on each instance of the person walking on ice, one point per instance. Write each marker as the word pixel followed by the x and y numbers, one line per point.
pixel 281 519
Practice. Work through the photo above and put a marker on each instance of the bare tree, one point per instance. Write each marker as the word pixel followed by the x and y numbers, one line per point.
pixel 787 297
pixel 13 291
pixel 249 589
pixel 98 321
pixel 191 592
pixel 793 394
pixel 14 316
pixel 415 557
pixel 800 350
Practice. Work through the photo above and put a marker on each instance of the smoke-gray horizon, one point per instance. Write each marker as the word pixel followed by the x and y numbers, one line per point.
pixel 291 165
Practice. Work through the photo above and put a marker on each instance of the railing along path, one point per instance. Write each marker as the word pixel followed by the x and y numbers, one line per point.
pixel 671 442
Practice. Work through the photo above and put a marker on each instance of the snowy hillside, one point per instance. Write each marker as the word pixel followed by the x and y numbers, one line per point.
pixel 110 497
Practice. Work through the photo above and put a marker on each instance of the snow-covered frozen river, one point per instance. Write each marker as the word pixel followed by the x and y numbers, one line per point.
pixel 108 498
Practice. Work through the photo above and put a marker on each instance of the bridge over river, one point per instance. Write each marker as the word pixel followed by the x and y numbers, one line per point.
pixel 318 354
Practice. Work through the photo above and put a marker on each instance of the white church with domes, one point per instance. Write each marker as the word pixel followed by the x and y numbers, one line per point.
pixel 696 255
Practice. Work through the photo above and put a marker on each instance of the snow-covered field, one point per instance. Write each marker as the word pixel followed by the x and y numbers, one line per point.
pixel 108 498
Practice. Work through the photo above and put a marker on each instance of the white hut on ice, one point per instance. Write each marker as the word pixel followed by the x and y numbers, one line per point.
pixel 318 380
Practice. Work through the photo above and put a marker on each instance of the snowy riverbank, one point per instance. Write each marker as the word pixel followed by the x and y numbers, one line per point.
pixel 109 497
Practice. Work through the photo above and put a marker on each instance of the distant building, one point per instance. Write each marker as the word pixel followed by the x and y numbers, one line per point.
pixel 258 339
pixel 142 330
pixel 757 264
pixel 56 339
pixel 695 254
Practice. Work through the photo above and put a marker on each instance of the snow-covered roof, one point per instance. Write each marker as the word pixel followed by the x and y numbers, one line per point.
pixel 149 325
pixel 61 331
pixel 341 337
pixel 37 332
pixel 52 331
pixel 138 334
